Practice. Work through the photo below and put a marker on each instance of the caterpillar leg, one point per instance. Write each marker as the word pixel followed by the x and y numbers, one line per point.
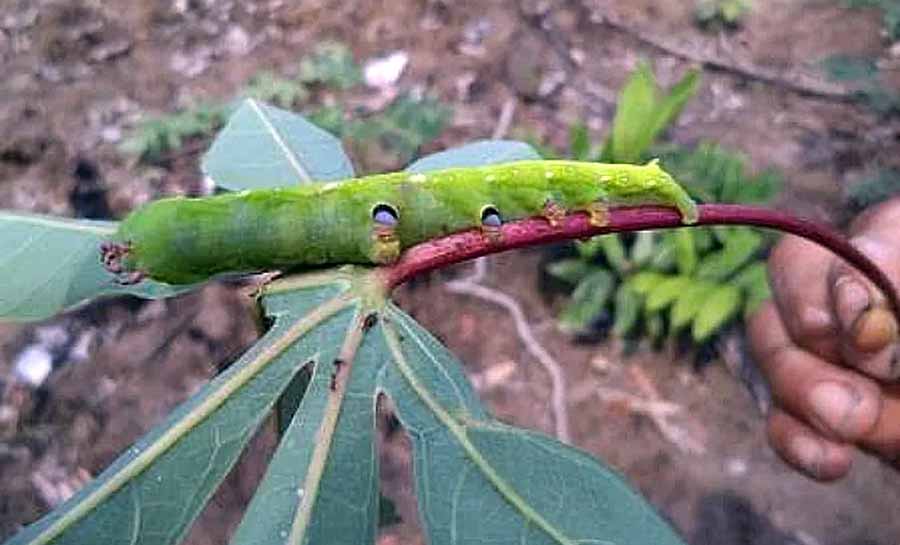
pixel 385 249
pixel 599 214
pixel 553 213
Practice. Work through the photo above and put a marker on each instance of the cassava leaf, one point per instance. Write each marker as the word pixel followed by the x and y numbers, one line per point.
pixel 569 270
pixel 703 239
pixel 627 310
pixel 479 481
pixel 665 293
pixel 481 152
pixel 644 282
pixel 579 142
pixel 689 303
pixel 670 105
pixel 614 251
pixel 643 248
pixel 155 489
pixel 654 326
pixel 685 251
pixel 633 122
pixel 264 146
pixel 51 264
pixel 588 300
pixel 753 280
pixel 589 249
pixel 752 277
pixel 322 483
pixel 663 260
pixel 721 305
pixel 644 112
pixel 741 244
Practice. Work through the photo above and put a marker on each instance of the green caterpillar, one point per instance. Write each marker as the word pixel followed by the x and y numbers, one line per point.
pixel 369 219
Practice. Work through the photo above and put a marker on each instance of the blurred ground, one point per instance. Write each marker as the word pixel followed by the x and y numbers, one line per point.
pixel 77 73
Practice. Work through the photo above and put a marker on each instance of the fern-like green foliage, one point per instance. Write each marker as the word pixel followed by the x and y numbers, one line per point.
pixel 399 130
pixel 158 135
pixel 665 283
pixel 331 65
pixel 275 89
pixel 405 125
pixel 863 74
pixel 862 71
pixel 718 14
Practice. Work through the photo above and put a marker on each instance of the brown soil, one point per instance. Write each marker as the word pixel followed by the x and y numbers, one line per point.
pixel 77 73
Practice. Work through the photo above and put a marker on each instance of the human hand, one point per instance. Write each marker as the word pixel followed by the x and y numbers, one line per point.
pixel 828 345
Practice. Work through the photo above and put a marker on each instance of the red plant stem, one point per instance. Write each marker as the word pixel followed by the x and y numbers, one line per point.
pixel 457 247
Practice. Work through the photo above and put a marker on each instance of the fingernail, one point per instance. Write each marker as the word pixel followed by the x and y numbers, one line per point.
pixel 809 453
pixel 833 405
pixel 851 299
pixel 874 330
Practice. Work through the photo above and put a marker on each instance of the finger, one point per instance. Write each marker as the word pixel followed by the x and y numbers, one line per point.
pixel 884 439
pixel 797 275
pixel 805 449
pixel 868 329
pixel 837 402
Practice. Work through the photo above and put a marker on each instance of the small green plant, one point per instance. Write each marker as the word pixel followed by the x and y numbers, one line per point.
pixel 398 131
pixel 331 65
pixel 156 136
pixel 711 14
pixel 864 74
pixel 666 283
pixel 275 89
pixel 862 71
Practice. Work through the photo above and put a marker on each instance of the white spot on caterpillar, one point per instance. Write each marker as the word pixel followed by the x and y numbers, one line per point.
pixel 490 178
pixel 330 185
pixel 606 178
pixel 549 174
pixel 418 178
pixel 243 193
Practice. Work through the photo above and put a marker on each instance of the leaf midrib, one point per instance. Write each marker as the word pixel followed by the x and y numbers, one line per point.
pixel 459 432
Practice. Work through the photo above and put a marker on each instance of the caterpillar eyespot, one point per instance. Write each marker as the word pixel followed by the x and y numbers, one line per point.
pixel 490 217
pixel 182 240
pixel 384 215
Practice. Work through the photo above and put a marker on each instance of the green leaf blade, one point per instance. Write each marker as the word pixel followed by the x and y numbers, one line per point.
pixel 322 484
pixel 153 491
pixel 632 125
pixel 689 303
pixel 722 305
pixel 588 301
pixel 263 146
pixel 666 292
pixel 479 481
pixel 49 265
pixel 479 153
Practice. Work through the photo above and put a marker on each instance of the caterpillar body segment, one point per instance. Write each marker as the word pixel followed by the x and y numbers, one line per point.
pixel 370 219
